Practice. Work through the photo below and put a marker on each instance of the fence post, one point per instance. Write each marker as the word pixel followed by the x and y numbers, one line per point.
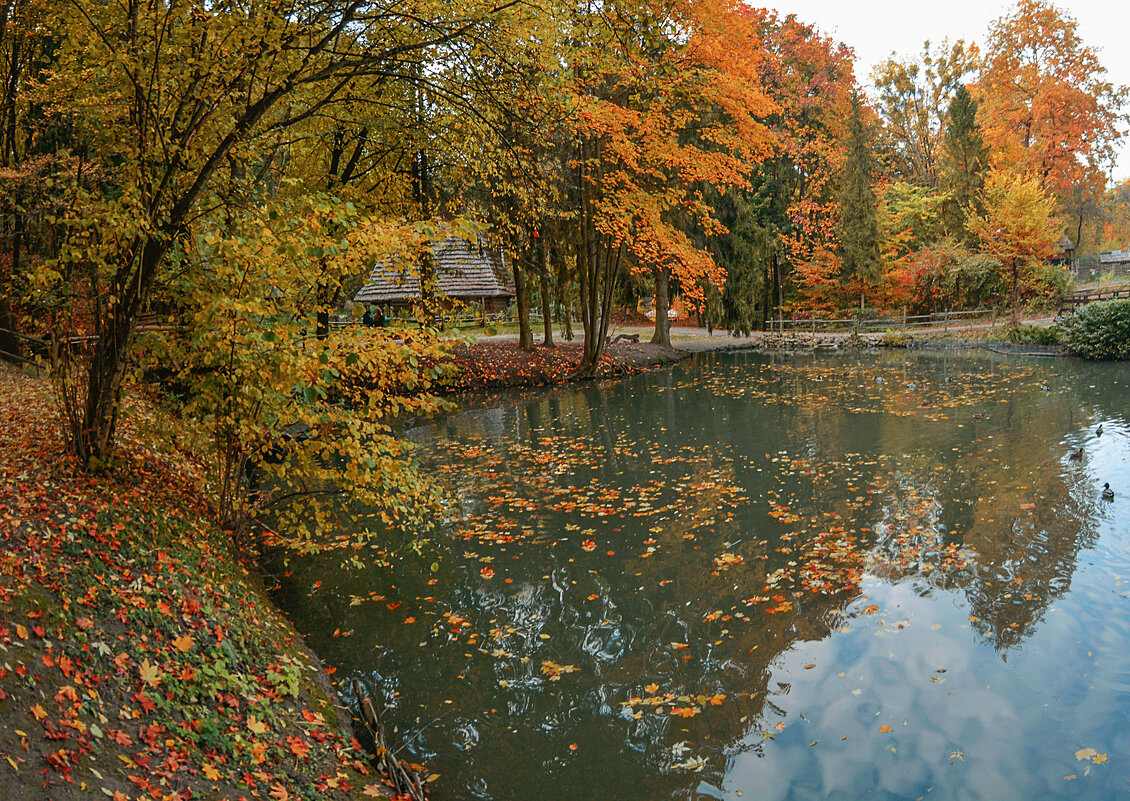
pixel 947 329
pixel 904 318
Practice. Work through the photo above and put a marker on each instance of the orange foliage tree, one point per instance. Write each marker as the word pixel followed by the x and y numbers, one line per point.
pixel 668 100
pixel 811 79
pixel 1046 106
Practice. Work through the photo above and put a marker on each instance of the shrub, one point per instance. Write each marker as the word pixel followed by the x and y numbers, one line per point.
pixel 1100 330
pixel 1033 334
pixel 897 339
pixel 1048 282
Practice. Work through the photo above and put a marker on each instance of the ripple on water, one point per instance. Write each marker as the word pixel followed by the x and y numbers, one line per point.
pixel 991 634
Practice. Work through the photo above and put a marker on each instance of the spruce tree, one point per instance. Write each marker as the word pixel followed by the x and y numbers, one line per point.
pixel 964 161
pixel 755 218
pixel 859 218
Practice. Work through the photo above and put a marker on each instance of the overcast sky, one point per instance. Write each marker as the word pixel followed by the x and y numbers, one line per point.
pixel 875 28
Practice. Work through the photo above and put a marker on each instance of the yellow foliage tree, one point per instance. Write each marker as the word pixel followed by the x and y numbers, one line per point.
pixel 1018 228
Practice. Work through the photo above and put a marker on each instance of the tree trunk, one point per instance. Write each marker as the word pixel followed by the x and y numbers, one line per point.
pixel 428 313
pixel 778 290
pixel 1015 293
pixel 598 266
pixel 93 436
pixel 525 336
pixel 766 296
pixel 546 298
pixel 10 347
pixel 562 288
pixel 662 335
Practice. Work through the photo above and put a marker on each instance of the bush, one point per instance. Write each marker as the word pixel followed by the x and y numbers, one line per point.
pixel 1100 330
pixel 1047 284
pixel 897 339
pixel 1033 334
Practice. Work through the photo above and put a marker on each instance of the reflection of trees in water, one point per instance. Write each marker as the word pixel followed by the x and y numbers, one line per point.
pixel 905 494
pixel 1000 490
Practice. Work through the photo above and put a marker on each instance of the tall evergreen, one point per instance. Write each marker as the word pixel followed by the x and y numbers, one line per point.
pixel 964 162
pixel 859 217
pixel 754 218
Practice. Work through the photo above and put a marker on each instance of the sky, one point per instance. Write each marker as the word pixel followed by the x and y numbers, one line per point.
pixel 875 28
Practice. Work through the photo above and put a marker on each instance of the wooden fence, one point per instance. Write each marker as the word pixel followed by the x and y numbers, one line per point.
pixel 1069 303
pixel 934 321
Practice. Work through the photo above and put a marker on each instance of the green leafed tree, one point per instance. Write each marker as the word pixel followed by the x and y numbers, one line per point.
pixel 913 95
pixel 965 159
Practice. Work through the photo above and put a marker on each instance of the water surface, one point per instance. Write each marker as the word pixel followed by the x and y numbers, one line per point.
pixel 818 576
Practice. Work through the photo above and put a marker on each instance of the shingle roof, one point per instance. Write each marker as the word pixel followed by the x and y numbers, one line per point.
pixel 465 270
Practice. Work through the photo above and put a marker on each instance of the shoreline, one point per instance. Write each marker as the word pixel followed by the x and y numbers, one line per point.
pixel 498 363
pixel 118 584
pixel 143 656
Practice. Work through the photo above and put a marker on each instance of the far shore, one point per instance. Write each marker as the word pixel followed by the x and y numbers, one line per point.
pixel 493 362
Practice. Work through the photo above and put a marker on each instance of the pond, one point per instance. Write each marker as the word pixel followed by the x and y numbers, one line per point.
pixel 760 576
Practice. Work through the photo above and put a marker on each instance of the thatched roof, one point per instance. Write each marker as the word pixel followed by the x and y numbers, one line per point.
pixel 464 270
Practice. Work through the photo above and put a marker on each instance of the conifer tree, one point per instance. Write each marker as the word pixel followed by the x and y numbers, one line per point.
pixel 858 217
pixel 963 164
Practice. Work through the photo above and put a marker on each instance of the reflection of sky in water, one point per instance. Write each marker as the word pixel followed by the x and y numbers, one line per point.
pixel 721 481
pixel 983 728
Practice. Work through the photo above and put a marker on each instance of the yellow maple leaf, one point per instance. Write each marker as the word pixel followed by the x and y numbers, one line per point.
pixel 39 712
pixel 255 725
pixel 184 643
pixel 150 674
pixel 210 772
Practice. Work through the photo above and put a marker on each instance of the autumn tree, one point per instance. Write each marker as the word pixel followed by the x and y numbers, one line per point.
pixel 1112 221
pixel 645 144
pixel 858 218
pixel 912 104
pixel 909 219
pixel 293 426
pixel 37 170
pixel 810 79
pixel 518 186
pixel 183 98
pixel 1019 229
pixel 1046 105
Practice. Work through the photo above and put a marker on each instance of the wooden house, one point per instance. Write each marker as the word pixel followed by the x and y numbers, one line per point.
pixel 1117 260
pixel 465 271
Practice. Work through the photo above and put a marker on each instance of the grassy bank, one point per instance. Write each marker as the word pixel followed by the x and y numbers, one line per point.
pixel 138 657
